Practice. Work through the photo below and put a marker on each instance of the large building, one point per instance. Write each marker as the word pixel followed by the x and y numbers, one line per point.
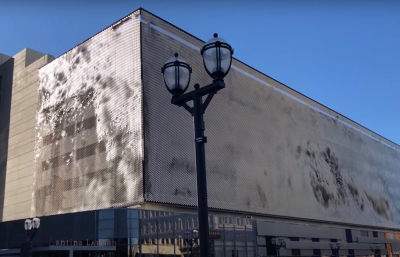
pixel 106 158
pixel 18 100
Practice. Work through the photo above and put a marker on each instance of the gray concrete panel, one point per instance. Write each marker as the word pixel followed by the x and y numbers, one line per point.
pixel 17 193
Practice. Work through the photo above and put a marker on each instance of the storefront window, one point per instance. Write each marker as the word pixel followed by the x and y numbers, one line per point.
pixel 251 251
pixel 240 249
pixel 230 249
pixel 219 248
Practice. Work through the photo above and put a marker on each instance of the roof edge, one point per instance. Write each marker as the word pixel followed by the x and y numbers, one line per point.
pixel 112 24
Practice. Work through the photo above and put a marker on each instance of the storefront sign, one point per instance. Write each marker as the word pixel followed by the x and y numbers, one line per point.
pixel 215 234
pixel 85 243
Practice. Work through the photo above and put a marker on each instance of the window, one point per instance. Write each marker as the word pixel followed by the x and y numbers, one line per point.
pixel 296 252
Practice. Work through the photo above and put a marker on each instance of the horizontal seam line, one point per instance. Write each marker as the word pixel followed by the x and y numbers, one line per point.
pixel 22 120
pixel 22 110
pixel 19 90
pixel 16 204
pixel 18 146
pixel 22 99
pixel 8 139
pixel 6 192
pixel 29 166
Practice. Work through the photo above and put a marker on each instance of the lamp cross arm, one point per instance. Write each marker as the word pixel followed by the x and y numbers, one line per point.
pixel 202 91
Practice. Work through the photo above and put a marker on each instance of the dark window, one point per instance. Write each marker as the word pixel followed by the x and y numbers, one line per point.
pixel 349 236
pixel 375 234
pixel 118 140
pixel 102 146
pixel 68 185
pixel 271 249
pixel 296 252
pixel 45 165
pixel 85 151
pixel 48 139
pixel 89 123
pixel 317 252
pixel 70 130
pixel 55 162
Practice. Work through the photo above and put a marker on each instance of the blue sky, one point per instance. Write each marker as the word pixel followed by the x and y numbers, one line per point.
pixel 343 54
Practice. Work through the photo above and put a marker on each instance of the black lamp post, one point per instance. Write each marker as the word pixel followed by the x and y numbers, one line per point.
pixel 375 249
pixel 217 60
pixel 335 248
pixel 279 243
pixel 31 227
pixel 191 239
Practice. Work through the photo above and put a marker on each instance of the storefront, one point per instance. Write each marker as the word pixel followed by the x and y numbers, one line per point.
pixel 128 232
pixel 64 251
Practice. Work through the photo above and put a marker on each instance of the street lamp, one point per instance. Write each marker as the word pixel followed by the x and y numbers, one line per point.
pixel 335 248
pixel 31 226
pixel 375 249
pixel 191 239
pixel 279 243
pixel 217 60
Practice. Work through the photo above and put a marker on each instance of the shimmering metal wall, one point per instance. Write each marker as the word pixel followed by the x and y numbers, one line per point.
pixel 89 130
pixel 267 152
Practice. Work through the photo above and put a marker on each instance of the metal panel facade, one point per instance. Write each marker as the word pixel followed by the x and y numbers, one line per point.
pixel 89 131
pixel 268 152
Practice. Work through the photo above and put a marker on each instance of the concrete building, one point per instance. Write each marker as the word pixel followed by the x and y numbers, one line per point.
pixel 106 158
pixel 19 98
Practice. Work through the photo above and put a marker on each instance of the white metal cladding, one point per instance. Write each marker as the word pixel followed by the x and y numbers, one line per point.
pixel 266 153
pixel 89 125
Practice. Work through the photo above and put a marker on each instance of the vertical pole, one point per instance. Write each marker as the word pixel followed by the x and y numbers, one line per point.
pixel 173 232
pixel 30 242
pixel 201 176
pixel 191 249
pixel 158 237
pixel 234 241
pixel 223 227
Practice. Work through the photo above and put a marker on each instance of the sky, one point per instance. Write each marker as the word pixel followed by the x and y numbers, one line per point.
pixel 342 54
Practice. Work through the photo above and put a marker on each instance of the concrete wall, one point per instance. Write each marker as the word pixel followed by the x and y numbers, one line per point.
pixel 4 58
pixel 21 139
pixel 6 79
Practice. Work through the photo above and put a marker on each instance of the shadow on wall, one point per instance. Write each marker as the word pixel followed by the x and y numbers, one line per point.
pixel 6 78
